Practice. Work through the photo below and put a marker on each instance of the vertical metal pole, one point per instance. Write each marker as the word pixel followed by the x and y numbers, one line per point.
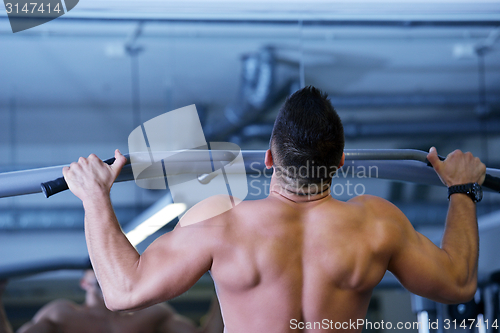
pixel 13 130
pixel 483 109
pixel 302 73
pixel 136 106
pixel 134 51
pixel 13 150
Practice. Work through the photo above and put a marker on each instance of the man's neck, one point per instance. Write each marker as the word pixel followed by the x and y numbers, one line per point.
pixel 296 195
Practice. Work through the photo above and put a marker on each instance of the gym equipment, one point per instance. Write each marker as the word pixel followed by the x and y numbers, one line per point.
pixel 393 164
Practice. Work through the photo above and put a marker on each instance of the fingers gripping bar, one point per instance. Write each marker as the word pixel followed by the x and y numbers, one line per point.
pixel 58 185
pixel 490 182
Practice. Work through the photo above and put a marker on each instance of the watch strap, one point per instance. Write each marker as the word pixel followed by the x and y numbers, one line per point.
pixel 463 188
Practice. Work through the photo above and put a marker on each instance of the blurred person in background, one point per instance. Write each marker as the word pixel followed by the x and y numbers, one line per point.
pixel 93 316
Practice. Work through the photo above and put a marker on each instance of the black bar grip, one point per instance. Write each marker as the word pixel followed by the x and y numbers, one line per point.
pixel 441 158
pixel 54 186
pixel 493 183
pixel 58 185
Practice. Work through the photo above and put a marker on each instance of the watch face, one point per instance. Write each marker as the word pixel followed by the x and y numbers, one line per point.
pixel 478 192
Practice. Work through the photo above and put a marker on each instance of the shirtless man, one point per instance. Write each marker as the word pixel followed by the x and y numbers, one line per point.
pixel 287 257
pixel 93 316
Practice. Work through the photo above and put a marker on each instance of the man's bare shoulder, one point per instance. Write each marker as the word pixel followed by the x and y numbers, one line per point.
pixel 222 209
pixel 210 210
pixel 56 310
pixel 368 199
pixel 375 205
pixel 217 217
pixel 384 216
pixel 62 304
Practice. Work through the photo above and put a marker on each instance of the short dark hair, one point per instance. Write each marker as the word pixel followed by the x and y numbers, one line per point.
pixel 307 133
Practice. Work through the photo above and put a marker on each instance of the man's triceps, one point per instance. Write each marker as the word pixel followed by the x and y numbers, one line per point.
pixel 426 270
pixel 172 265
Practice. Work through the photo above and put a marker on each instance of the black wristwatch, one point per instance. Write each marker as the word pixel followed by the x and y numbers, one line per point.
pixel 473 190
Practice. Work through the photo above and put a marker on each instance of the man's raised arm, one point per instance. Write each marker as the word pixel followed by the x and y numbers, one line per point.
pixel 170 266
pixel 447 274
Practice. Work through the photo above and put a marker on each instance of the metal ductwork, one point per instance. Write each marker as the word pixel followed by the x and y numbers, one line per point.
pixel 257 93
pixel 419 128
pixel 392 100
pixel 356 130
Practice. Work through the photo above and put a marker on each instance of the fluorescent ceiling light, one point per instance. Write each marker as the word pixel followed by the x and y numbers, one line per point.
pixel 277 10
pixel 155 222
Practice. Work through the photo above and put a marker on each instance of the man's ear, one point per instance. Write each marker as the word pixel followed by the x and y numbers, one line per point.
pixel 268 160
pixel 342 160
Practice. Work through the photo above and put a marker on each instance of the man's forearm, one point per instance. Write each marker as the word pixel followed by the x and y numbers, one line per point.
pixel 113 257
pixel 461 240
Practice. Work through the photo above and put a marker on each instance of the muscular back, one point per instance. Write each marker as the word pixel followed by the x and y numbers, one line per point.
pixel 276 260
pixel 280 260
